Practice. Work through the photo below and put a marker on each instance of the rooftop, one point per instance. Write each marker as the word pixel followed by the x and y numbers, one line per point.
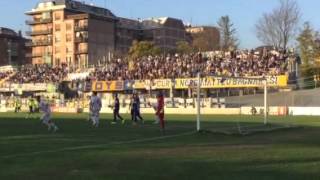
pixel 47 5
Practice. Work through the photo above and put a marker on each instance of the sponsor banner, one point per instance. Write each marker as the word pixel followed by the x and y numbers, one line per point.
pixel 7 87
pixel 304 111
pixel 34 87
pixel 220 82
pixel 159 84
pixel 128 84
pixel 211 83
pixel 102 86
pixel 139 84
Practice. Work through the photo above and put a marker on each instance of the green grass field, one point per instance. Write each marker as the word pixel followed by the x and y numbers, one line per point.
pixel 77 151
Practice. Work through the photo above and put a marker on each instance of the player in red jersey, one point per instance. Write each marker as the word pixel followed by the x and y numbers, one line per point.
pixel 160 110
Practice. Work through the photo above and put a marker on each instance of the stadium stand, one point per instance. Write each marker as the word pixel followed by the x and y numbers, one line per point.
pixel 235 64
pixel 243 63
pixel 39 74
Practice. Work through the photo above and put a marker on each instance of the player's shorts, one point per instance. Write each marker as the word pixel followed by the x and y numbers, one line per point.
pixel 30 109
pixel 116 111
pixel 95 114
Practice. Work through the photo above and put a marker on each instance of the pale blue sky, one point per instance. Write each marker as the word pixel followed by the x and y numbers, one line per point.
pixel 243 13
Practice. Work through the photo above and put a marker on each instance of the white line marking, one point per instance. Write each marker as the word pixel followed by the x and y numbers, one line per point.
pixel 99 145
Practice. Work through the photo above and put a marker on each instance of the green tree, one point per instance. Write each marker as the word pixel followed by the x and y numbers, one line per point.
pixel 143 48
pixel 308 46
pixel 309 52
pixel 229 41
pixel 183 47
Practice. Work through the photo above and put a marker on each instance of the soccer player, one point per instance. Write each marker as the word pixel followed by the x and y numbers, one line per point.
pixel 160 110
pixel 95 107
pixel 18 104
pixel 116 110
pixel 31 104
pixel 44 107
pixel 134 109
pixel 137 110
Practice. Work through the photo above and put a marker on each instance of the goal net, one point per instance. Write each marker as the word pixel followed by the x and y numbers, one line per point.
pixel 243 110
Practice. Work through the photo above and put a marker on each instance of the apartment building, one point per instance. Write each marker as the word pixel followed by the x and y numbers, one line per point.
pixel 165 32
pixel 209 35
pixel 12 48
pixel 77 34
pixel 70 32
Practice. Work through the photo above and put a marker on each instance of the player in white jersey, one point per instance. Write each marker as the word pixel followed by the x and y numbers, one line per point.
pixel 95 107
pixel 44 107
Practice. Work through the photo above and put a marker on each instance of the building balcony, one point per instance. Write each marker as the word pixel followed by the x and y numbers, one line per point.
pixel 39 21
pixel 81 28
pixel 81 40
pixel 39 43
pixel 39 32
pixel 81 51
pixel 34 55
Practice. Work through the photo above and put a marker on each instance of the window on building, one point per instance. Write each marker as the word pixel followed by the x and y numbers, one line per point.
pixel 57 49
pixel 69 49
pixel 68 37
pixel 57 61
pixel 57 17
pixel 68 27
pixel 57 39
pixel 46 15
pixel 57 27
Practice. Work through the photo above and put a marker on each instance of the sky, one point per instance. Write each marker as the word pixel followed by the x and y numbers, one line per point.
pixel 243 13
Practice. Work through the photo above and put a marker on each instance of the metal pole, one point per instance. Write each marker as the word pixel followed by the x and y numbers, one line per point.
pixel 265 102
pixel 9 52
pixel 198 103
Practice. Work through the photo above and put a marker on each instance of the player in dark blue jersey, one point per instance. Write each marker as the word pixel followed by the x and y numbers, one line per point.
pixel 135 109
pixel 116 110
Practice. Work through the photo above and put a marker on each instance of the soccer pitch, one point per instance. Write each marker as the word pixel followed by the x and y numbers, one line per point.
pixel 78 151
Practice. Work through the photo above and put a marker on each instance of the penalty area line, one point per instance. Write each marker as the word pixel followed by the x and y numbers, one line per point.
pixel 75 148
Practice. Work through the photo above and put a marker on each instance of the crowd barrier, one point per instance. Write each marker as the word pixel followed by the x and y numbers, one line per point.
pixel 181 106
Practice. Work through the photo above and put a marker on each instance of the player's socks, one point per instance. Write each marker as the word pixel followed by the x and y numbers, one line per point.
pixel 123 121
pixel 49 127
pixel 55 128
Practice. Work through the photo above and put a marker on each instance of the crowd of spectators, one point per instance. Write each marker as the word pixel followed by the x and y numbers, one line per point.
pixel 40 74
pixel 4 75
pixel 234 64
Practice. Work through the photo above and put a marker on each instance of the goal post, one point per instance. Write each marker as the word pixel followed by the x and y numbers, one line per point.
pixel 243 121
pixel 198 102
pixel 265 96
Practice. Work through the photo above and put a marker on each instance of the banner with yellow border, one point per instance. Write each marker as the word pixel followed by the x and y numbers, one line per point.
pixel 205 83
pixel 102 86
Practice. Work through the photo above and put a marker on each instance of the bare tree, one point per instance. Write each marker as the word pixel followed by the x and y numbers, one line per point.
pixel 278 28
pixel 228 34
